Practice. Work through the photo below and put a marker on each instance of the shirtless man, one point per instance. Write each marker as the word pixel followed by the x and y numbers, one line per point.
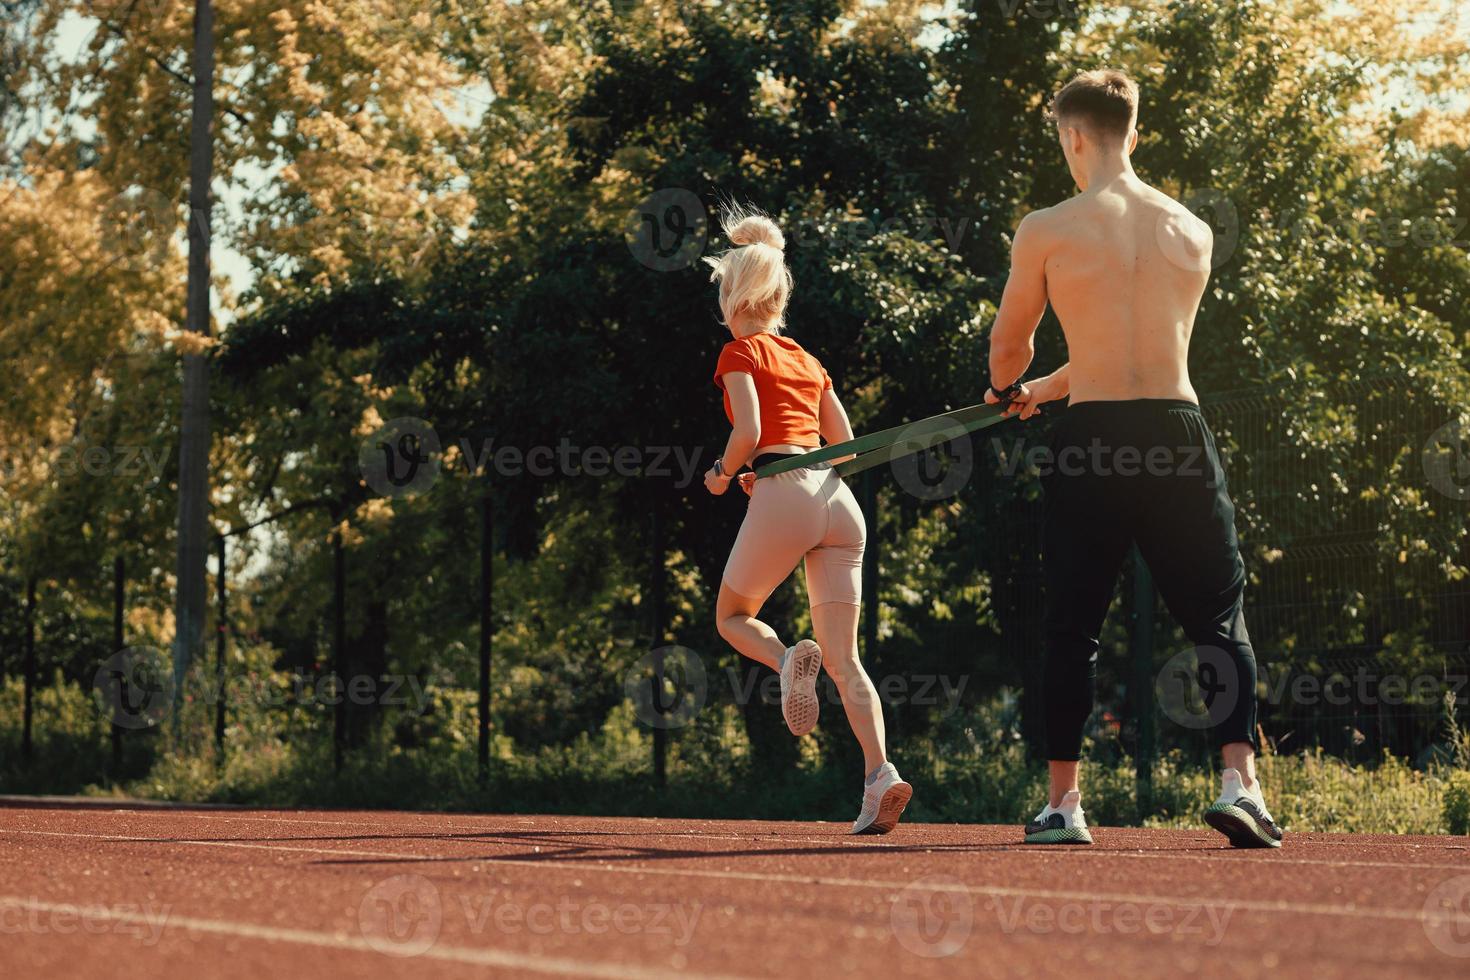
pixel 1132 460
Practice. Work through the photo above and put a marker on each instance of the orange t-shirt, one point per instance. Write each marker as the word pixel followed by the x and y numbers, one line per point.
pixel 788 383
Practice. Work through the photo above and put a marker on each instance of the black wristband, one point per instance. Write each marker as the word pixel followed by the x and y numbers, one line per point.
pixel 1006 395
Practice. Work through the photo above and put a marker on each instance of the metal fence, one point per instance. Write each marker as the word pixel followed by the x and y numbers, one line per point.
pixel 1359 626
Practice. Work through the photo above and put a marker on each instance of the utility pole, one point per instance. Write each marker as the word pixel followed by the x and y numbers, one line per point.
pixel 193 518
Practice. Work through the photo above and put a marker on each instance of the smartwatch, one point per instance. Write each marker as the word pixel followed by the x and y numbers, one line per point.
pixel 1008 394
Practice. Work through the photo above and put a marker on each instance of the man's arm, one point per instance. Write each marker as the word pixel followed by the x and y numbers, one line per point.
pixel 1012 338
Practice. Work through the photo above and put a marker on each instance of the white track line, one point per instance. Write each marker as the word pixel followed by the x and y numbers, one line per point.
pixel 555 965
pixel 1232 855
pixel 995 891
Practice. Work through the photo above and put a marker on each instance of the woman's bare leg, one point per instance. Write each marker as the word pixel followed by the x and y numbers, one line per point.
pixel 735 618
pixel 835 624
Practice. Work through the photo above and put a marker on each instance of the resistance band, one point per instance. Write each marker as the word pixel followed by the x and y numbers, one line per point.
pixel 877 448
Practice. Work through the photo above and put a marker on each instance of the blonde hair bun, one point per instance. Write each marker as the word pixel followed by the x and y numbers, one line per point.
pixel 753 228
pixel 753 277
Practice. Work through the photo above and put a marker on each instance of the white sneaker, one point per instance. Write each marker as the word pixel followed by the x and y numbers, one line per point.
pixel 1241 815
pixel 799 670
pixel 883 802
pixel 1066 824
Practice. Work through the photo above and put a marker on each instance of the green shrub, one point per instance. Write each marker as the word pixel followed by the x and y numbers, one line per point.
pixel 1457 802
pixel 973 770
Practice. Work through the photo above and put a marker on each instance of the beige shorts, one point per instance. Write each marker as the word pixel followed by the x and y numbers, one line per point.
pixel 805 513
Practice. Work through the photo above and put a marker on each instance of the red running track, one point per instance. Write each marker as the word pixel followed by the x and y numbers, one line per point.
pixel 150 893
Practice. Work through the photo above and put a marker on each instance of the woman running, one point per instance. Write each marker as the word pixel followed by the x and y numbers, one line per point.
pixel 780 403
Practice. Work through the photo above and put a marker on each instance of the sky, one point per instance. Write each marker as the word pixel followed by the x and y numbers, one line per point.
pixel 248 181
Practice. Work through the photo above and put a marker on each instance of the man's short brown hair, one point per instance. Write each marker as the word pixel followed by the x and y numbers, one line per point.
pixel 1104 101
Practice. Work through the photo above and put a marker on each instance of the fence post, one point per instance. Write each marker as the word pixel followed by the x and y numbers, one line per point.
pixel 119 598
pixel 487 517
pixel 30 669
pixel 660 730
pixel 221 626
pixel 1142 643
pixel 339 645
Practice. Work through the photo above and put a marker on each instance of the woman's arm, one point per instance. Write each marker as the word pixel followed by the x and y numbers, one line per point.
pixel 745 406
pixel 833 423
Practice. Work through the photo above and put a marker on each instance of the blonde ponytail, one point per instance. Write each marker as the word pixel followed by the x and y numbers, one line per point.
pixel 753 276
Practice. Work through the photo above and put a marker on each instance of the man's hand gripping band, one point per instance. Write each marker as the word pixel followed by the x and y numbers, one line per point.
pixel 1004 396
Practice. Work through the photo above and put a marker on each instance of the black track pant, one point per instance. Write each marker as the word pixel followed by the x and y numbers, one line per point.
pixel 1144 472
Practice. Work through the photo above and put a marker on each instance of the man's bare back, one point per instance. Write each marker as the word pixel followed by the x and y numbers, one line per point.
pixel 1125 267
